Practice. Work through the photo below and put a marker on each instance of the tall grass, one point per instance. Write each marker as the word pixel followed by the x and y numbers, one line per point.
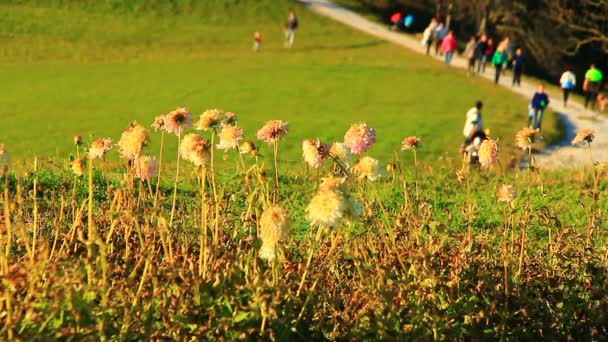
pixel 399 267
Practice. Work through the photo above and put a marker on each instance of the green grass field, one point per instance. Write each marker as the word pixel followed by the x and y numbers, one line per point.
pixel 91 69
pixel 426 251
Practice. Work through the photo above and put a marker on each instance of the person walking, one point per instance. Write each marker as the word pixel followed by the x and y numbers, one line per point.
pixel 540 101
pixel 487 54
pixel 518 67
pixel 469 54
pixel 498 60
pixel 448 46
pixel 257 41
pixel 567 82
pixel 473 126
pixel 591 85
pixel 395 20
pixel 438 35
pixel 480 49
pixel 290 28
pixel 427 35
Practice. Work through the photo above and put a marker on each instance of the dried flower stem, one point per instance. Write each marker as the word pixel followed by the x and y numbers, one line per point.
pixel 276 171
pixel 202 260
pixel 179 144
pixel 160 164
pixel 406 197
pixel 35 200
pixel 594 197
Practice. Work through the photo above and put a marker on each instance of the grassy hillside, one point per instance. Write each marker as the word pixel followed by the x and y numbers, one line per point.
pixel 92 68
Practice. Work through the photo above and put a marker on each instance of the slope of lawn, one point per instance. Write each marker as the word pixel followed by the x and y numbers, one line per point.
pixel 92 68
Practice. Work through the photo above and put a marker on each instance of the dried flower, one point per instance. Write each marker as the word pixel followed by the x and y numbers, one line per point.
pixel 391 167
pixel 274 227
pixel 229 137
pixel 3 156
pixel 314 152
pixel 488 152
pixel 369 168
pixel 272 131
pixel 526 137
pixel 332 203
pixel 332 183
pixel 132 140
pixel 341 152
pixel 77 140
pixel 506 194
pixel 99 148
pixel 177 121
pixel 158 123
pixel 326 208
pixel 145 168
pixel 411 143
pixel 77 166
pixel 359 138
pixel 210 119
pixel 195 150
pixel 248 147
pixel 583 135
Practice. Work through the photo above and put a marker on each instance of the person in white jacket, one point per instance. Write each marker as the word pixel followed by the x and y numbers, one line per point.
pixel 427 35
pixel 473 123
pixel 567 82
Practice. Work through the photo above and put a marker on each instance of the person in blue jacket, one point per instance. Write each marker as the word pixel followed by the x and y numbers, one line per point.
pixel 540 101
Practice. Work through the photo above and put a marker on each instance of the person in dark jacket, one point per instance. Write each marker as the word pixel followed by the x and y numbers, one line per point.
pixel 480 51
pixel 540 101
pixel 518 67
pixel 290 28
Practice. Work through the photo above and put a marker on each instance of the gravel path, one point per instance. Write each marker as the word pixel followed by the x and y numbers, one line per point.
pixel 575 116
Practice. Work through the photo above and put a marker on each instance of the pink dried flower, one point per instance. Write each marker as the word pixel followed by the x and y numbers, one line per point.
pixel 411 143
pixel 272 131
pixel 99 148
pixel 359 138
pixel 229 137
pixel 177 121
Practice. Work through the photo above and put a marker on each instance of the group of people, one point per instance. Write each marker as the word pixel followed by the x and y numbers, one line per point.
pixel 291 25
pixel 474 133
pixel 479 51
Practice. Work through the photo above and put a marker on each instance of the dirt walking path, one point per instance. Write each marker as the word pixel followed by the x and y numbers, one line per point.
pixel 575 116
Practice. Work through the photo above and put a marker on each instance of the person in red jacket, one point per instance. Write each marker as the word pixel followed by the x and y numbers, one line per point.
pixel 395 19
pixel 448 46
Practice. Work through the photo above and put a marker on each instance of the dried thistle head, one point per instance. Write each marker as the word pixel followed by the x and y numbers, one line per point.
pixel 488 152
pixel 411 143
pixel 526 138
pixel 583 135
pixel 506 194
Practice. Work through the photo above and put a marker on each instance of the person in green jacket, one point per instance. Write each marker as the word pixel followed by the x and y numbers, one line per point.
pixel 591 85
pixel 499 60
